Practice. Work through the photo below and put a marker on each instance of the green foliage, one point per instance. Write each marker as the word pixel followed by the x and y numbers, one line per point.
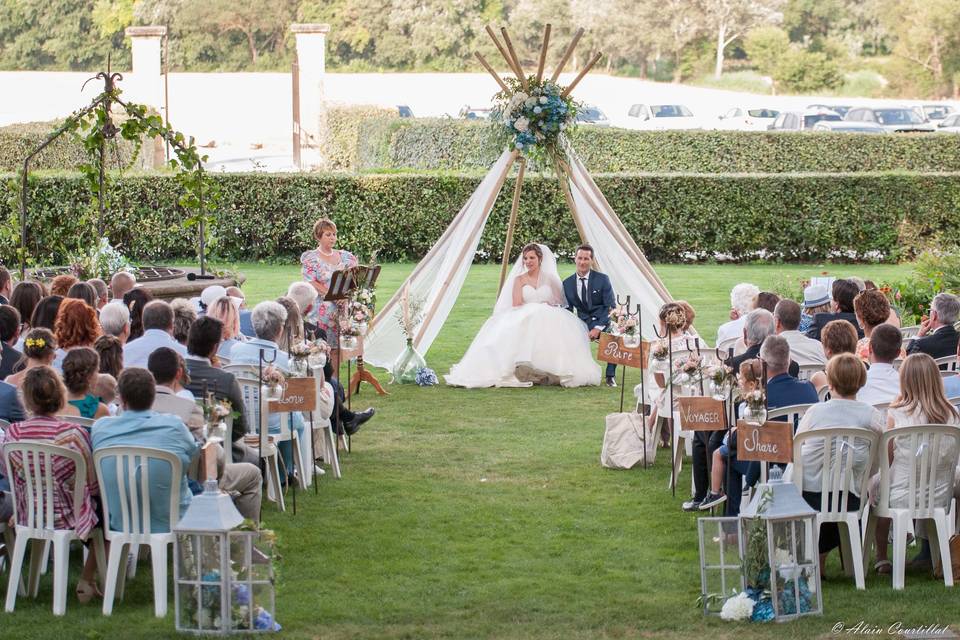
pixel 17 140
pixel 340 135
pixel 765 46
pixel 672 217
pixel 934 272
pixel 802 71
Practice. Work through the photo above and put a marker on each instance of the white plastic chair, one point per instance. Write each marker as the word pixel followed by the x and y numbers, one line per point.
pixel 328 443
pixel 793 413
pixel 80 420
pixel 36 470
pixel 823 393
pixel 4 424
pixel 838 479
pixel 257 438
pixel 909 332
pixel 927 442
pixel 131 475
pixel 955 401
pixel 807 370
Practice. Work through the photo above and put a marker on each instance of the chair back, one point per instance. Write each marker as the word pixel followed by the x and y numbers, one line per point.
pixel 909 332
pixel 35 465
pixel 807 370
pixel 823 393
pixel 947 365
pixel 242 369
pixel 4 424
pixel 847 458
pixel 128 469
pixel 955 401
pixel 930 466
pixel 255 405
pixel 896 363
pixel 80 420
pixel 726 345
pixel 793 413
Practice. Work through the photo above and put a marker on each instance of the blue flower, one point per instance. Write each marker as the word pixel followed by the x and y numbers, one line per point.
pixel 426 377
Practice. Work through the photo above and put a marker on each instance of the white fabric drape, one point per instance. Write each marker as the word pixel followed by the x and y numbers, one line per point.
pixel 438 278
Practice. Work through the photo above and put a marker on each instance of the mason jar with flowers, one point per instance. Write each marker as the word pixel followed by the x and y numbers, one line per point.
pixel 273 382
pixel 754 406
pixel 299 353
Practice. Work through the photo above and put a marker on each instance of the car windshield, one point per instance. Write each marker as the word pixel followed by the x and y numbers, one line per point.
pixel 762 113
pixel 937 113
pixel 670 111
pixel 590 114
pixel 809 121
pixel 897 116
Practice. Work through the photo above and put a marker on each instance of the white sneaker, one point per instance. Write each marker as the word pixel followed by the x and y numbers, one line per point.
pixel 319 470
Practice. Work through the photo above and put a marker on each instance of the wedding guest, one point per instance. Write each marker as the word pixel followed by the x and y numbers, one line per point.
pixel 115 321
pixel 39 349
pixel 81 370
pixel 6 285
pixel 45 313
pixel 44 396
pixel 184 313
pixel 846 375
pixel 304 295
pixel 743 300
pixel 759 326
pixel 110 350
pixel 24 299
pixel 11 409
pixel 767 300
pixel 136 301
pixel 246 325
pixel 937 336
pixel 60 286
pixel 76 326
pixel 816 300
pixel 84 291
pixel 9 333
pixel 844 291
pixel 157 332
pixel 803 350
pixel 318 266
pixel 872 309
pixel 883 381
pixel 122 283
pixel 689 314
pixel 672 320
pixel 227 312
pixel 838 336
pixel 951 384
pixel 921 401
pixel 103 293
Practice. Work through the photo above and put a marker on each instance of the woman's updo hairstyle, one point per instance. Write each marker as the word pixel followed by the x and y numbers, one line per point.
pixel 533 246
pixel 673 317
pixel 39 344
pixel 321 226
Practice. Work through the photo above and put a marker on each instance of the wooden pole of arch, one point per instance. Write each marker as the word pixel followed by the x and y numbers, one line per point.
pixel 496 76
pixel 511 225
pixel 543 52
pixel 516 59
pixel 566 55
pixel 562 177
pixel 517 71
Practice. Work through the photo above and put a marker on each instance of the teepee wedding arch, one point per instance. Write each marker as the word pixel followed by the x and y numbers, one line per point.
pixel 535 111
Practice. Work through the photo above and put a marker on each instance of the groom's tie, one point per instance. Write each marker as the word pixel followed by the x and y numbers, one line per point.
pixel 583 292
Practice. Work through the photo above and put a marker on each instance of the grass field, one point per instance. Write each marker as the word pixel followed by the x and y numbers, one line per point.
pixel 486 514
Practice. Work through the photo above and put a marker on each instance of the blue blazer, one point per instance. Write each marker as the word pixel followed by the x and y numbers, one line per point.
pixel 10 408
pixel 602 299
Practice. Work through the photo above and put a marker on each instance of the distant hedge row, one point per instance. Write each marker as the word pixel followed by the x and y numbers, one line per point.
pixel 672 217
pixel 18 140
pixel 459 145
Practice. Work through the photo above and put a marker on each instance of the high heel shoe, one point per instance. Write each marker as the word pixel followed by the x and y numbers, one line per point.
pixel 87 590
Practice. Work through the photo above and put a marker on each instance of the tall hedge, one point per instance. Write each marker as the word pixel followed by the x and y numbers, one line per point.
pixel 672 217
pixel 340 135
pixel 17 140
pixel 459 145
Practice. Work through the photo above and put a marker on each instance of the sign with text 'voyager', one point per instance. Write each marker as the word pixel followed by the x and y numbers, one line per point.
pixel 702 414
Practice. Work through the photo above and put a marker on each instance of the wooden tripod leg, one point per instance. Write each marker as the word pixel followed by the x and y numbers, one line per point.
pixel 362 375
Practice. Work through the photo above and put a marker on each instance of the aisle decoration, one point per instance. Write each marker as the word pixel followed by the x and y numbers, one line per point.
pixel 408 365
pixel 624 324
pixel 273 383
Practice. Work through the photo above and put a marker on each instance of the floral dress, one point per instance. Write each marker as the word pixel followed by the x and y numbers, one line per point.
pixel 315 269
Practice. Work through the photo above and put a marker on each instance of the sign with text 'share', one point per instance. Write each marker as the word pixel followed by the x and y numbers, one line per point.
pixel 769 442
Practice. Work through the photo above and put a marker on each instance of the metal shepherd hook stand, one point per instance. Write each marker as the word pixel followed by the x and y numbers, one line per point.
pixel 731 420
pixel 261 361
pixel 669 381
pixel 623 368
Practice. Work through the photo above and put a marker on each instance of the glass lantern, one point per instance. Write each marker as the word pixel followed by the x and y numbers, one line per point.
pixel 780 552
pixel 721 564
pixel 222 578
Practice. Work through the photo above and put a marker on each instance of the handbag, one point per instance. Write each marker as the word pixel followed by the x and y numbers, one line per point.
pixel 624 439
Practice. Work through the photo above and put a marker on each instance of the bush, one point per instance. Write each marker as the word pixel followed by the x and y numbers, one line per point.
pixel 672 217
pixel 801 71
pixel 340 133
pixel 17 140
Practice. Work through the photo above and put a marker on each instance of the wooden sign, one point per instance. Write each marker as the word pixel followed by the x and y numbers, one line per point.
pixel 702 414
pixel 770 442
pixel 612 350
pixel 300 395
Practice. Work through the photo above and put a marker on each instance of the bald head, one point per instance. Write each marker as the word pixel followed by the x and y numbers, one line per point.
pixel 121 283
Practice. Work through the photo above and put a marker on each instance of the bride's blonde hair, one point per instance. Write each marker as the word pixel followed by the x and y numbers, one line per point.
pixel 533 246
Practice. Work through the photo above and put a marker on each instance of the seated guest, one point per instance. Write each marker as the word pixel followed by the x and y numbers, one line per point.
pixel 6 285
pixel 921 401
pixel 242 480
pixel 60 286
pixel 846 375
pixel 81 372
pixel 24 299
pixel 139 426
pixel 45 313
pixel 743 300
pixel 121 283
pixel 115 321
pixel 803 350
pixel 157 332
pixel 44 396
pixel 844 291
pixel 951 384
pixel 103 293
pixel 84 291
pixel 293 326
pixel 872 310
pixel 39 349
pixel 304 295
pixel 10 408
pixel 767 300
pixel 883 381
pixel 76 326
pixel 9 332
pixel 246 324
pixel 758 327
pixel 937 336
pixel 226 311
pixel 110 350
pixel 202 344
pixel 136 301
pixel 184 313
pixel 838 336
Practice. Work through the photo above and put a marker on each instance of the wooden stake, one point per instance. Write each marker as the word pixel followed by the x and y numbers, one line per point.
pixel 516 60
pixel 580 75
pixel 503 52
pixel 514 208
pixel 543 52
pixel 566 55
pixel 495 75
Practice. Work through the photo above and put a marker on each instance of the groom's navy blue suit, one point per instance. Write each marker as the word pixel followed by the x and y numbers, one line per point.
pixel 595 311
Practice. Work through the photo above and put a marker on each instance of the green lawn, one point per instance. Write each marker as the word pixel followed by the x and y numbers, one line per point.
pixel 486 514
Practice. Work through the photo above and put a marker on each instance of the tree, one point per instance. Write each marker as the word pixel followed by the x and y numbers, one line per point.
pixel 925 32
pixel 766 46
pixel 679 24
pixel 260 29
pixel 802 71
pixel 730 19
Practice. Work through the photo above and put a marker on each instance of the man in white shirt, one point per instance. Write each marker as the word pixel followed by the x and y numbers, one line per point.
pixel 883 381
pixel 121 283
pixel 803 350
pixel 743 300
pixel 157 332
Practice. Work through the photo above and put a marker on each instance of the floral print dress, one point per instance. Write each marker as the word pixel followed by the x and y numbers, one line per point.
pixel 315 269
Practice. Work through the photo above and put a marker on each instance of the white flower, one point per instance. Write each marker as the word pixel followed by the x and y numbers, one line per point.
pixel 738 607
pixel 529 102
pixel 543 99
pixel 521 124
pixel 782 557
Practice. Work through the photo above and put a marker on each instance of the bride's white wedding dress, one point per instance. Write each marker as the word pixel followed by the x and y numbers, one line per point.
pixel 538 332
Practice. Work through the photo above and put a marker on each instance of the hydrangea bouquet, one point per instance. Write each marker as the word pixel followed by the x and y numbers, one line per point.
pixel 534 118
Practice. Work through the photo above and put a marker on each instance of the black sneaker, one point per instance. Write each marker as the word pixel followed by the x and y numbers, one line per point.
pixel 692 504
pixel 712 500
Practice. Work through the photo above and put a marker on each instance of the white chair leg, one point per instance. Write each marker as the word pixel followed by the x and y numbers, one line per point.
pixel 330 455
pixel 900 525
pixel 46 558
pixel 869 533
pixel 61 567
pixel 942 528
pixel 99 549
pixel 16 568
pixel 845 548
pixel 37 555
pixel 304 470
pixel 118 555
pixel 856 552
pixel 158 555
pixel 274 488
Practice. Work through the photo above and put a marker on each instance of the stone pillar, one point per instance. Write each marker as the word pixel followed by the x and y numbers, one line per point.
pixel 311 59
pixel 145 84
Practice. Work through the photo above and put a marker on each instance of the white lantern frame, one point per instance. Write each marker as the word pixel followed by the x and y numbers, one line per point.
pixel 714 530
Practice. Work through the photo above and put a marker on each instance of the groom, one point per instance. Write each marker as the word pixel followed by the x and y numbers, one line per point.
pixel 590 295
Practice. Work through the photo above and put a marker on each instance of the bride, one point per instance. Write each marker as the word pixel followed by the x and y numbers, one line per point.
pixel 530 333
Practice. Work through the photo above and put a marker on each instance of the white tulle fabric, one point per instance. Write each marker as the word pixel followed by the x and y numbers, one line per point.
pixel 540 332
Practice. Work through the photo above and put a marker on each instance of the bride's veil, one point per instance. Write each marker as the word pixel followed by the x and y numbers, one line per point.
pixel 549 274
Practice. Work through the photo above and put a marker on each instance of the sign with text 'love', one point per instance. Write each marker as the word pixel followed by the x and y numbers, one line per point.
pixel 612 350
pixel 769 442
pixel 702 414
pixel 300 395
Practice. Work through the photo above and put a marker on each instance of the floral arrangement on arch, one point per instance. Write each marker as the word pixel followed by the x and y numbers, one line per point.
pixel 534 118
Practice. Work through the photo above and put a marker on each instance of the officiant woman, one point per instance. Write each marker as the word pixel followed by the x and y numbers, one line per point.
pixel 318 267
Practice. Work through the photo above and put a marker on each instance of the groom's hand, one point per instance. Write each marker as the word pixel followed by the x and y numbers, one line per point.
pixel 594 333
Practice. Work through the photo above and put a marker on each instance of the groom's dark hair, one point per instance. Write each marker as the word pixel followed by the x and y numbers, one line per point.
pixel 584 247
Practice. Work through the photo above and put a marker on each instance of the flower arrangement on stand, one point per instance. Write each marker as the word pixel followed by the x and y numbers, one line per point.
pixel 533 119
pixel 688 372
pixel 624 324
pixel 408 365
pixel 660 351
pixel 319 354
pixel 273 382
pixel 755 406
pixel 215 416
pixel 721 380
pixel 299 352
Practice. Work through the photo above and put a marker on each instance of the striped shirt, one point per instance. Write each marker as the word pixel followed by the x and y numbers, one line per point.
pixel 49 430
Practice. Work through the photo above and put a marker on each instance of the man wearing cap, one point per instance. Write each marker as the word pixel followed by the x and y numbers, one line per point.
pixel 843 292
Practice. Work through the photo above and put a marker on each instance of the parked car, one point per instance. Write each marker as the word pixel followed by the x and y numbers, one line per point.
pixel 747 118
pixel 893 119
pixel 848 127
pixel 950 124
pixel 474 113
pixel 404 111
pixel 838 108
pixel 662 116
pixel 803 120
pixel 936 111
pixel 592 115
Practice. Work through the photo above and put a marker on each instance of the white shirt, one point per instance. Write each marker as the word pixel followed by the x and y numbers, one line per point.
pixel 837 413
pixel 137 352
pixel 804 350
pixel 883 384
pixel 731 330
